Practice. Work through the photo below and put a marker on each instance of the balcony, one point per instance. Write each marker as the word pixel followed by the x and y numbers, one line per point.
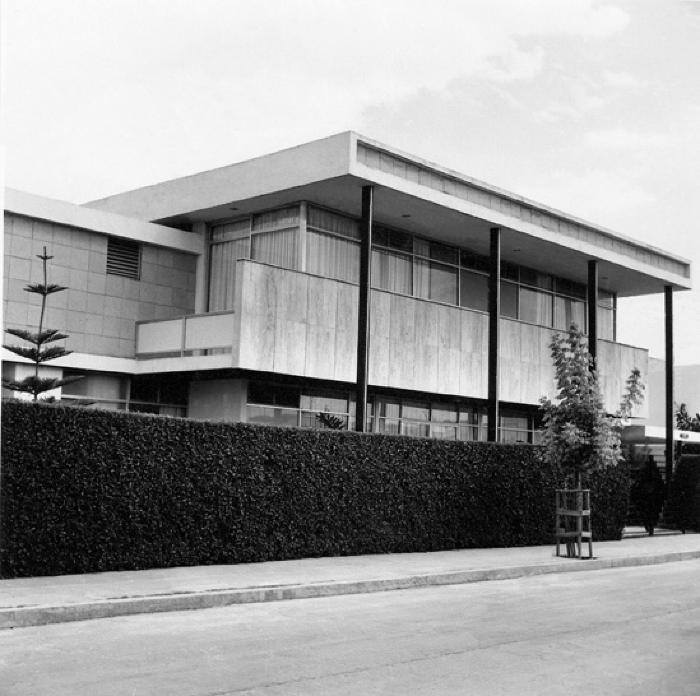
pixel 190 335
pixel 293 323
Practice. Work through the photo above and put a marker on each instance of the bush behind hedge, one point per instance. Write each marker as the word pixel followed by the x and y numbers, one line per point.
pixel 88 490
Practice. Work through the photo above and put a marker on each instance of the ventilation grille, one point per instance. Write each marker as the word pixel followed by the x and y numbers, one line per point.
pixel 123 258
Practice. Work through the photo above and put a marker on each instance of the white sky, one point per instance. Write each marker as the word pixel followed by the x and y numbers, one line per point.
pixel 591 107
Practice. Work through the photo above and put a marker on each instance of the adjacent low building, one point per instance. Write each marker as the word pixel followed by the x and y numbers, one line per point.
pixel 246 293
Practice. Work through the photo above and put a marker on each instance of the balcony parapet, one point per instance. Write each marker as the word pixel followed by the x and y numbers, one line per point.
pixel 184 336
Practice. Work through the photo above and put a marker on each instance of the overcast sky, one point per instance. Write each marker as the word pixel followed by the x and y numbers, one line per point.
pixel 590 107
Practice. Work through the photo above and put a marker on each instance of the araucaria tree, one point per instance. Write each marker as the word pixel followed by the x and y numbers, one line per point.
pixel 38 352
pixel 578 434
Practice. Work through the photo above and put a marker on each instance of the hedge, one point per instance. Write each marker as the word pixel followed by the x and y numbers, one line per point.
pixel 86 490
pixel 683 507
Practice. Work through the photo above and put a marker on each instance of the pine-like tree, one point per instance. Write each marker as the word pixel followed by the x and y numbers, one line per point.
pixel 38 353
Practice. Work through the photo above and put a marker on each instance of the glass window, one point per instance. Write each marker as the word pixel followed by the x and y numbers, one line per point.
pixel 392 271
pixel 230 230
pixel 434 281
pixel 570 288
pixel 443 413
pixel 330 401
pixel 275 237
pixel 276 248
pixel 535 278
pixel 415 410
pixel 514 428
pixel 535 307
pixel 509 271
pixel 509 300
pixel 476 262
pixel 568 311
pixel 332 257
pixel 474 290
pixel 266 415
pixel 279 395
pixel 442 252
pixel 333 223
pixel 400 240
pixel 222 271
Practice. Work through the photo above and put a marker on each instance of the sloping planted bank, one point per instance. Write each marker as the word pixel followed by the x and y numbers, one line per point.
pixel 88 490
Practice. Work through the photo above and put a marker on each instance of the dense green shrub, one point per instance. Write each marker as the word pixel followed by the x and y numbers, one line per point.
pixel 683 507
pixel 86 490
pixel 647 495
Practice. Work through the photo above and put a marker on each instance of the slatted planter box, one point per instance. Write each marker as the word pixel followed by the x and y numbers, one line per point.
pixel 573 521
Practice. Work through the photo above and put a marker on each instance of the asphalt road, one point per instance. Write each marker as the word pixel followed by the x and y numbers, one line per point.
pixel 612 632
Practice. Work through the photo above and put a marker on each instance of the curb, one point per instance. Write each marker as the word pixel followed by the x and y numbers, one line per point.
pixel 22 617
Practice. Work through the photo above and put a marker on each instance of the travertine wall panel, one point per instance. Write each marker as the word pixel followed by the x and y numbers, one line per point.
pixel 302 325
pixel 98 311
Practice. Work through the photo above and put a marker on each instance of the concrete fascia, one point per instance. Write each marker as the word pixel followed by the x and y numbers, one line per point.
pixel 72 215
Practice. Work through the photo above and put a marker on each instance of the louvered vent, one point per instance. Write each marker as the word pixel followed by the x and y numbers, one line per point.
pixel 123 258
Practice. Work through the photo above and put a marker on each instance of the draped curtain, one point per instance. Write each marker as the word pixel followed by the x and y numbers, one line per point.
pixel 230 242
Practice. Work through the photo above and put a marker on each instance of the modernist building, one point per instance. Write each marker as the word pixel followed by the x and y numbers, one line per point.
pixel 243 294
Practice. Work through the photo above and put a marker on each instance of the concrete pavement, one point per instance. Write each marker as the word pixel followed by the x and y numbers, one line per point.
pixel 44 600
pixel 624 632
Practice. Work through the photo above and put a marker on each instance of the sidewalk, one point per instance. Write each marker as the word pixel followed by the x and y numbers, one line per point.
pixel 44 600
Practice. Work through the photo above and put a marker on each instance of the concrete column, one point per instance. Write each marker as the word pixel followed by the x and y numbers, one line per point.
pixel 363 315
pixel 593 311
pixel 494 321
pixel 668 317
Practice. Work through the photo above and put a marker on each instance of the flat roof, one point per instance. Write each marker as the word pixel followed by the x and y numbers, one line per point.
pixel 94 220
pixel 415 195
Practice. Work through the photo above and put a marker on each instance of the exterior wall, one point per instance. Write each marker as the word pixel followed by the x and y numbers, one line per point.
pixel 686 390
pixel 298 324
pixel 218 400
pixel 98 311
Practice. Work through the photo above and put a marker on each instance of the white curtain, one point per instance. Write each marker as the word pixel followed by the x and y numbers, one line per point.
pixel 222 273
pixel 332 257
pixel 392 272
pixel 276 248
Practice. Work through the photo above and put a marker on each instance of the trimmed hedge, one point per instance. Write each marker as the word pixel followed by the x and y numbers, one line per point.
pixel 683 507
pixel 86 490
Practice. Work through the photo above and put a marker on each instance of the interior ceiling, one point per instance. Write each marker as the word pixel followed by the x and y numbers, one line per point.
pixel 419 216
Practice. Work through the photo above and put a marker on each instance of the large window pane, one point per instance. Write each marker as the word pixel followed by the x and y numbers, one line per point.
pixel 275 237
pixel 392 272
pixel 568 311
pixel 325 221
pixel 332 257
pixel 276 248
pixel 331 402
pixel 222 272
pixel 539 280
pixel 509 300
pixel 474 291
pixel 535 307
pixel 433 281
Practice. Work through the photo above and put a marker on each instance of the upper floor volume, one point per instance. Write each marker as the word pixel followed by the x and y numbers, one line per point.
pixel 247 275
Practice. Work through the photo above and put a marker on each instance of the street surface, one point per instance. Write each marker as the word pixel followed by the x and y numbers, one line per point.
pixel 630 631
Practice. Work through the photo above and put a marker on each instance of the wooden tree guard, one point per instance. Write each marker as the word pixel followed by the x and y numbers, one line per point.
pixel 573 524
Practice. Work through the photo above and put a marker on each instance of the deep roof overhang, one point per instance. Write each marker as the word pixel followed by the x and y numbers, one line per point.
pixel 414 195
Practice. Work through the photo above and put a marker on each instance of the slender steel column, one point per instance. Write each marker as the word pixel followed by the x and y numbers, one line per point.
pixel 593 311
pixel 494 317
pixel 363 315
pixel 668 316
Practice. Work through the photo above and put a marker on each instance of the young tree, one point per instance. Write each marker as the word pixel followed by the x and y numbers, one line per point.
pixel 579 435
pixel 38 353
